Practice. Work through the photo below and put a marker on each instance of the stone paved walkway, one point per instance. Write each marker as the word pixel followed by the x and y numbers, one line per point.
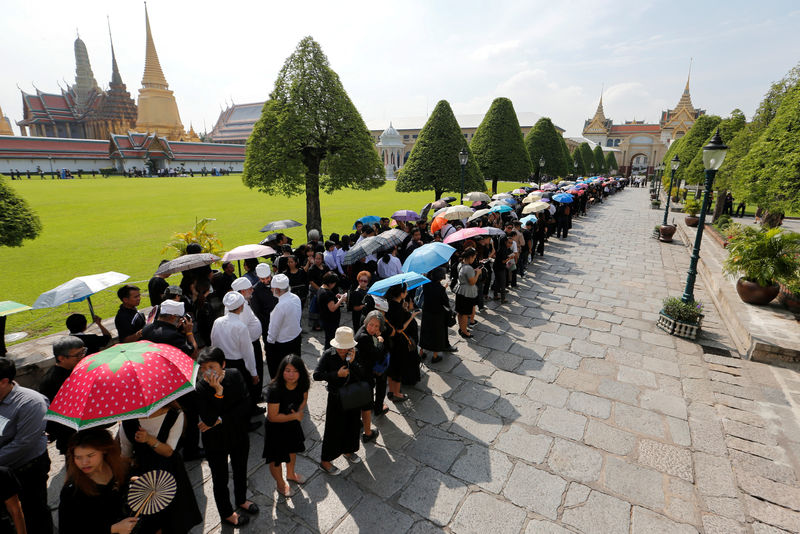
pixel 568 412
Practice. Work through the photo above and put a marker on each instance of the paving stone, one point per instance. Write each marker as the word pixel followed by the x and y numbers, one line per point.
pixel 663 403
pixel 661 340
pixel 589 404
pixel 518 408
pixel 726 506
pixel 435 448
pixel 323 501
pixel 562 422
pixel 474 371
pixel 587 348
pixel 430 409
pixel 747 405
pixel 777 471
pixel 624 331
pixel 604 338
pixel 476 425
pixel 643 521
pixel 572 460
pixel 601 514
pixel 707 436
pixel 484 513
pixel 576 494
pixel 563 318
pixel 384 472
pixel 551 394
pixel 713 476
pixel 537 526
pixel 640 377
pixel 433 495
pixel 625 357
pixel 608 438
pixel 496 342
pixel 675 461
pixel 562 357
pixel 598 325
pixel 619 391
pixel 520 442
pixel 610 317
pixel 547 339
pixel 508 382
pixel 544 371
pixel 578 380
pixel 638 420
pixel 682 511
pixel 679 431
pixel 504 360
pixel 635 483
pixel 598 367
pixel 478 396
pixel 761 528
pixel 773 515
pixel 535 490
pixel 767 490
pixel 765 451
pixel 748 432
pixel 483 466
pixel 574 332
pixel 371 515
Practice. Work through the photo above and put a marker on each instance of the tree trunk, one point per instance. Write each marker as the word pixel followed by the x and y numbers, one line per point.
pixel 313 213
pixel 494 186
pixel 771 219
pixel 720 205
pixel 437 193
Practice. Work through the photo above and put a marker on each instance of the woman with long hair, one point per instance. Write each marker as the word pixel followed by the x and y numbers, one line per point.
pixel 93 496
pixel 287 397
pixel 402 330
pixel 298 280
pixel 371 353
pixel 466 291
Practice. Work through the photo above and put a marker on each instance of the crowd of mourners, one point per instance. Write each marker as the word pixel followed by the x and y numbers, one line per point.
pixel 245 334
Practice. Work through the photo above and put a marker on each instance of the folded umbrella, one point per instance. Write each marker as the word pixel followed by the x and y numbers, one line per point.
pixel 477 196
pixel 423 213
pixel 535 207
pixel 405 215
pixel 186 262
pixel 457 212
pixel 465 233
pixel 280 225
pixel 410 279
pixel 364 248
pixel 427 257
pixel 478 214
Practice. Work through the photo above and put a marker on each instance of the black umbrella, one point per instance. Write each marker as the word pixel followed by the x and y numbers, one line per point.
pixel 186 262
pixel 423 214
pixel 448 199
pixel 280 225
pixel 364 248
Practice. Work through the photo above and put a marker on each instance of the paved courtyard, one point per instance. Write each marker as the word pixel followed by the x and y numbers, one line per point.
pixel 568 412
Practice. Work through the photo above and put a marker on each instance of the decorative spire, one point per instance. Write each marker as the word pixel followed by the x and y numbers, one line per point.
pixel 686 98
pixel 116 79
pixel 600 113
pixel 153 75
pixel 5 125
pixel 84 77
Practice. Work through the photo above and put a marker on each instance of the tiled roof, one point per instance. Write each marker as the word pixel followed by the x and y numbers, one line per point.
pixel 42 147
pixel 236 122
pixel 635 128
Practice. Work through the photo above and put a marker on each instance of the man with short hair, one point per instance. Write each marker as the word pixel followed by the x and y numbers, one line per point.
pixel 157 285
pixel 284 324
pixel 68 351
pixel 23 446
pixel 228 273
pixel 76 324
pixel 332 259
pixel 129 322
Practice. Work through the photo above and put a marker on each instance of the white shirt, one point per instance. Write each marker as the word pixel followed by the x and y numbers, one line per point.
pixel 152 425
pixel 284 321
pixel 333 262
pixel 447 229
pixel 231 335
pixel 385 270
pixel 250 321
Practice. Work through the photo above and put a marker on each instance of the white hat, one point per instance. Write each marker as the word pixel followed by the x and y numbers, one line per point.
pixel 280 281
pixel 240 284
pixel 232 300
pixel 171 307
pixel 344 338
pixel 263 270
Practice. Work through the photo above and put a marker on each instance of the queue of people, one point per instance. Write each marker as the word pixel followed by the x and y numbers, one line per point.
pixel 234 327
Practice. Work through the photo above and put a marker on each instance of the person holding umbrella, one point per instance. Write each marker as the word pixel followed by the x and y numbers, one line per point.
pixel 436 313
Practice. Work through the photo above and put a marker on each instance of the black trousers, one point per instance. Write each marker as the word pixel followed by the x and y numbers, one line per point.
pixel 191 433
pixel 218 464
pixel 255 389
pixel 330 332
pixel 380 392
pixel 562 226
pixel 32 479
pixel 277 351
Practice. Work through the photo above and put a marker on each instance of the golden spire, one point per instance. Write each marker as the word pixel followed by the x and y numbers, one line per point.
pixel 686 98
pixel 5 125
pixel 153 75
pixel 600 113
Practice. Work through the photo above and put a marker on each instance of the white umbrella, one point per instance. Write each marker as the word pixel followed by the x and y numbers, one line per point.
pixel 532 197
pixel 77 289
pixel 500 196
pixel 244 252
pixel 535 207
pixel 494 203
pixel 458 211
pixel 477 196
pixel 478 214
pixel 439 212
pixel 535 185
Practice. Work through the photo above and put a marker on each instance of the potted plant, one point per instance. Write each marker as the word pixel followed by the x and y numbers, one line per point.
pixel 789 294
pixel 666 231
pixel 690 208
pixel 763 258
pixel 655 203
pixel 682 319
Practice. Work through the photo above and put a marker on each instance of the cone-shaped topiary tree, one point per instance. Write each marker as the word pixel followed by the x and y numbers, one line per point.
pixel 433 162
pixel 588 159
pixel 599 160
pixel 17 220
pixel 543 141
pixel 310 135
pixel 691 143
pixel 567 157
pixel 578 158
pixel 498 145
pixel 611 162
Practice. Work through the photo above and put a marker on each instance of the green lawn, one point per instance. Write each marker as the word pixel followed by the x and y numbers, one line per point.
pixel 121 224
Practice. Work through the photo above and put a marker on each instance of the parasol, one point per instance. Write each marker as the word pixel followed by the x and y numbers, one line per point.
pixel 438 223
pixel 457 212
pixel 535 207
pixel 78 289
pixel 280 225
pixel 186 262
pixel 410 279
pixel 500 196
pixel 364 248
pixel 504 208
pixel 428 257
pixel 405 215
pixel 465 233
pixel 477 196
pixel 394 237
pixel 478 214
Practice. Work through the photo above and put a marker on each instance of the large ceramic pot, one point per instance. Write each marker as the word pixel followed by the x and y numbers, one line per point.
pixel 666 231
pixel 790 301
pixel 752 293
pixel 691 221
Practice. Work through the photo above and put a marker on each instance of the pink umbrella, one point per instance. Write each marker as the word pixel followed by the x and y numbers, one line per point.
pixel 466 233
pixel 244 252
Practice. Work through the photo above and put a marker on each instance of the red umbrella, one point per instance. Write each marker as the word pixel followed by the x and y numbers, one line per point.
pixel 125 381
pixel 438 223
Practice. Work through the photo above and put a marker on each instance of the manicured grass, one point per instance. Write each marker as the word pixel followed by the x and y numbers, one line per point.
pixel 121 224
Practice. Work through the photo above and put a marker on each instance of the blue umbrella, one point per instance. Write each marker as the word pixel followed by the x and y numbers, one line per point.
pixel 428 257
pixel 564 198
pixel 368 219
pixel 500 209
pixel 411 279
pixel 509 201
pixel 530 218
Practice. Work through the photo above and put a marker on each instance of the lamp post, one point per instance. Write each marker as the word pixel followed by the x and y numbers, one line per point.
pixel 674 163
pixel 539 170
pixel 462 158
pixel 575 165
pixel 713 156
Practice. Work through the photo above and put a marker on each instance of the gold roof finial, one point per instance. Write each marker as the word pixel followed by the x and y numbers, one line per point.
pixel 153 75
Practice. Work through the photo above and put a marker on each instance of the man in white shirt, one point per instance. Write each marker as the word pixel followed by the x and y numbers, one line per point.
pixel 284 324
pixel 332 260
pixel 244 286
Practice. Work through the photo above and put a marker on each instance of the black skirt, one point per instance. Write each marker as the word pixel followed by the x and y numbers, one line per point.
pixel 281 440
pixel 465 305
pixel 433 331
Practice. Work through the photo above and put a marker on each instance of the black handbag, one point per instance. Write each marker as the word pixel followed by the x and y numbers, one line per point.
pixel 451 318
pixel 355 395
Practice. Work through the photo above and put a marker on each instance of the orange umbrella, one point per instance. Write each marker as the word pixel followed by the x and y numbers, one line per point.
pixel 438 223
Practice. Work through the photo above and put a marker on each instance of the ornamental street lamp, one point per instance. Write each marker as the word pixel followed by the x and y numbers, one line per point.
pixel 462 158
pixel 575 165
pixel 713 156
pixel 675 163
pixel 540 169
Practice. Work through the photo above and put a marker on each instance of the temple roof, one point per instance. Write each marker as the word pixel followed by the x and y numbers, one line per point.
pixel 43 147
pixel 142 146
pixel 635 128
pixel 153 75
pixel 236 122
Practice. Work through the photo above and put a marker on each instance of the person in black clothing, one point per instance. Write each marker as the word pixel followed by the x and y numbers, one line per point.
pixel 156 286
pixel 262 302
pixel 371 353
pixel 11 510
pixel 68 351
pixel 356 299
pixel 329 305
pixel 228 275
pixel 76 324
pixel 224 409
pixel 172 327
pixel 436 313
pixel 562 220
pixel 342 427
pixel 92 499
pixel 129 322
pixel 402 332
pixel 315 274
pixel 524 252
pixel 287 397
pixel 503 255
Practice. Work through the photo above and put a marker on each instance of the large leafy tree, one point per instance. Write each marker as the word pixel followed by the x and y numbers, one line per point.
pixel 588 159
pixel 543 141
pixel 693 142
pixel 728 128
pixel 310 136
pixel 17 220
pixel 568 168
pixel 498 145
pixel 433 162
pixel 611 162
pixel 578 158
pixel 599 160
pixel 672 151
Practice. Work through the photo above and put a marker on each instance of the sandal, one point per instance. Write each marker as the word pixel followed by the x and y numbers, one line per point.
pixel 252 509
pixel 298 479
pixel 241 520
pixel 287 491
pixel 366 438
pixel 353 458
pixel 397 398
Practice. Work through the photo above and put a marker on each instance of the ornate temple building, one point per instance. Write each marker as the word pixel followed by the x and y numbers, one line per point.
pixel 5 125
pixel 640 145
pixel 236 122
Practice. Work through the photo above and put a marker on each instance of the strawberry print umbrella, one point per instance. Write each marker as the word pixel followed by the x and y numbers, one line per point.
pixel 125 381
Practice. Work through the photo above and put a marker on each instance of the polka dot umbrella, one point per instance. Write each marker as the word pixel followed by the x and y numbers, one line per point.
pixel 126 381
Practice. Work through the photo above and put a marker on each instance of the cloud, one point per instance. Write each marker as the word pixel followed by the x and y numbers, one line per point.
pixel 490 51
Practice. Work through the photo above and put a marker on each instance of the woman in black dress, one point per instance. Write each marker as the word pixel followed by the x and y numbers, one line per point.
pixel 435 316
pixel 287 397
pixel 93 496
pixel 342 427
pixel 298 280
pixel 371 353
pixel 402 330
pixel 329 304
pixel 315 274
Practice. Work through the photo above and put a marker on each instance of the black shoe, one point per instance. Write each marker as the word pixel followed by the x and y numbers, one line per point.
pixel 465 336
pixel 450 348
pixel 241 521
pixel 366 438
pixel 253 510
pixel 380 412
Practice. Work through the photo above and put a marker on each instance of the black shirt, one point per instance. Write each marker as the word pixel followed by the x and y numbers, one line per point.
pixel 288 400
pixel 53 380
pixel 262 303
pixel 233 408
pixel 298 282
pixel 128 321
pixel 156 288
pixel 162 332
pixel 90 514
pixel 324 296
pixel 93 342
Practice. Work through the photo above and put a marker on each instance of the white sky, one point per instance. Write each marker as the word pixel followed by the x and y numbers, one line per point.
pixel 397 59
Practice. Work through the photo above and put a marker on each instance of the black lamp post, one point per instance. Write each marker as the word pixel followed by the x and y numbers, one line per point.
pixel 541 168
pixel 575 165
pixel 713 156
pixel 591 166
pixel 660 177
pixel 675 163
pixel 462 158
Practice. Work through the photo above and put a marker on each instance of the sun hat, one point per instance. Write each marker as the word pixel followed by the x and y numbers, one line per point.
pixel 280 281
pixel 240 284
pixel 171 307
pixel 344 338
pixel 232 300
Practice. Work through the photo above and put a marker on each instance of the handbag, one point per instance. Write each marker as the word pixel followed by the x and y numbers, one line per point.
pixel 381 367
pixel 451 318
pixel 355 395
